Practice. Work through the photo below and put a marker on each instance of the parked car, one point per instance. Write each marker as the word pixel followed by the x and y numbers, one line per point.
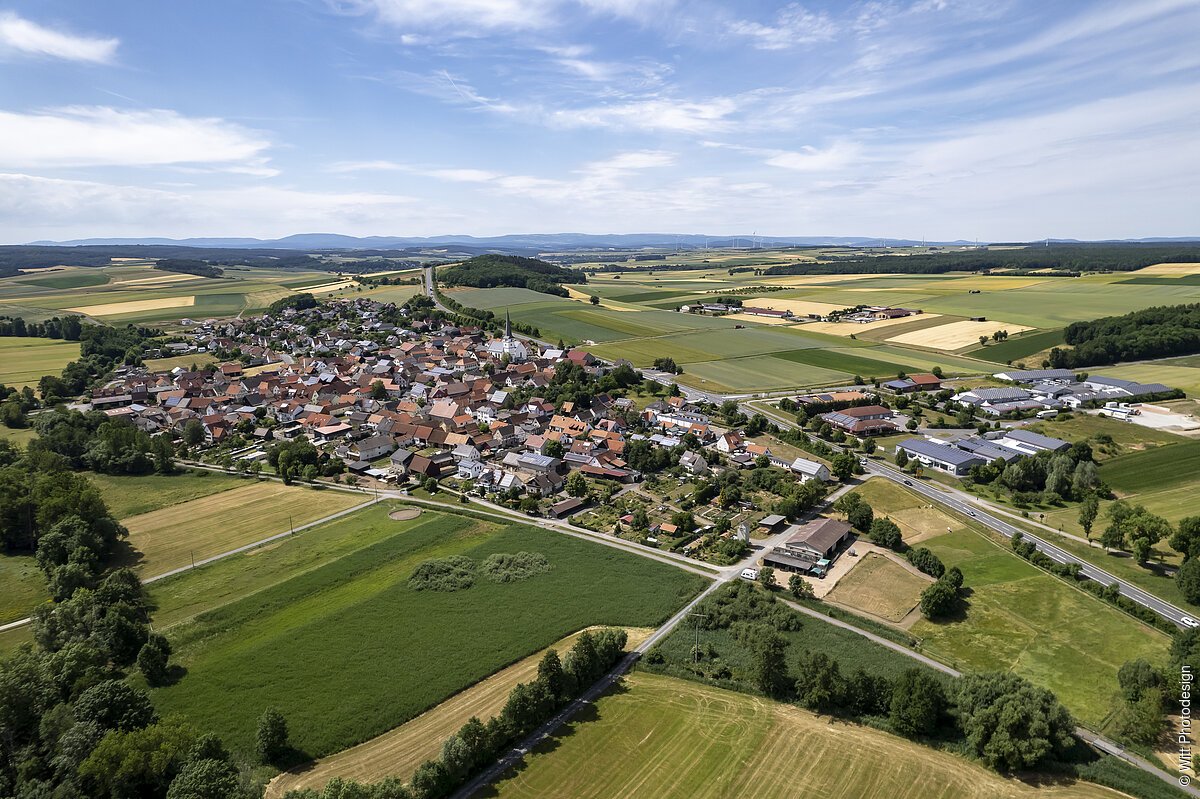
pixel 750 574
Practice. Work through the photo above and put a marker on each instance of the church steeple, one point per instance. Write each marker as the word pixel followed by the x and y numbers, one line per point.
pixel 507 325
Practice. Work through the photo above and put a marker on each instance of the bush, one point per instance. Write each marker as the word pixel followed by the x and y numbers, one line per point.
pixel 502 567
pixel 929 563
pixel 455 573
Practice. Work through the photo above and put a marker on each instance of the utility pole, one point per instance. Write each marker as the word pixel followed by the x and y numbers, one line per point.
pixel 696 648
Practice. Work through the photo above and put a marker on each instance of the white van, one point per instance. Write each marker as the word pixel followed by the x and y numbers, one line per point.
pixel 750 574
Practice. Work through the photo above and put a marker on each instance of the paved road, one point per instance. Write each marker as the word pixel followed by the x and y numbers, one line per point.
pixel 984 513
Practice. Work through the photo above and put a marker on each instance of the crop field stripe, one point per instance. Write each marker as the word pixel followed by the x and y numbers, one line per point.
pixel 348 650
pixel 1157 468
pixel 830 359
pixel 1017 347
pixel 398 752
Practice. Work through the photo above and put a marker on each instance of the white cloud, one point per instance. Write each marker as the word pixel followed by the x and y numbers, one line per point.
pixel 366 166
pixel 29 38
pixel 811 159
pixel 658 114
pixel 105 136
pixel 34 207
pixel 794 25
pixel 458 15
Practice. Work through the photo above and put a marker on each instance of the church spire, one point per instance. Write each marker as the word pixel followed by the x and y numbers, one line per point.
pixel 507 325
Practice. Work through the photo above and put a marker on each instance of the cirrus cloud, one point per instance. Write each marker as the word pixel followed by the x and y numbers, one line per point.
pixel 28 38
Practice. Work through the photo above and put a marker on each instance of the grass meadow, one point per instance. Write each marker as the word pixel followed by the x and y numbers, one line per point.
pixel 130 495
pixel 174 535
pixel 348 651
pixel 22 587
pixel 24 361
pixel 1017 617
pixel 660 737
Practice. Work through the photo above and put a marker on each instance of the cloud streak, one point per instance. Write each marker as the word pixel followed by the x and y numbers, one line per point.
pixel 27 38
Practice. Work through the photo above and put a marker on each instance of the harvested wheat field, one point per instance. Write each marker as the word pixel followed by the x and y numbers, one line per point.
pixel 134 306
pixel 171 537
pixel 659 737
pixel 1169 269
pixel 326 288
pixel 956 335
pixel 398 752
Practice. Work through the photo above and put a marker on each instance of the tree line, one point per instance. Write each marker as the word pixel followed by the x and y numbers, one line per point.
pixel 1117 257
pixel 189 266
pixel 1156 332
pixel 1003 720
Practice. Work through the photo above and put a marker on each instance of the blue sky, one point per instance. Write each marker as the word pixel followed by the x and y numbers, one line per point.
pixel 946 119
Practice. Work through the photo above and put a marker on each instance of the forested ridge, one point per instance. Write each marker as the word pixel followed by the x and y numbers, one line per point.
pixel 489 271
pixel 1059 257
pixel 1155 332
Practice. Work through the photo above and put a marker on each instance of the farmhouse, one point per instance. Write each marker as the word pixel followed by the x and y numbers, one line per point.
pixel 921 382
pixel 937 455
pixel 811 547
pixel 865 420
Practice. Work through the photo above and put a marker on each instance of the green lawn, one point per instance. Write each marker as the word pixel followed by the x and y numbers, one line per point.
pixel 24 361
pixel 129 496
pixel 347 650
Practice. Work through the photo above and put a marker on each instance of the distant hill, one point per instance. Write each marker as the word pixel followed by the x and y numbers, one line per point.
pixel 528 242
pixel 489 271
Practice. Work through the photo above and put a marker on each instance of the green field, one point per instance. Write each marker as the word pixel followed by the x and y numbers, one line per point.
pixel 175 535
pixel 849 648
pixel 72 280
pixel 347 650
pixel 1021 619
pixel 1181 373
pixel 129 495
pixel 658 737
pixel 22 586
pixel 129 291
pixel 1153 469
pixel 25 361
pixel 1017 617
pixel 1020 346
